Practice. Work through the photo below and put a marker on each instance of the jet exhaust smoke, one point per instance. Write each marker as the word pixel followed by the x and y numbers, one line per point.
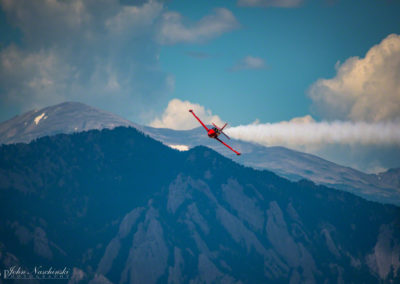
pixel 297 134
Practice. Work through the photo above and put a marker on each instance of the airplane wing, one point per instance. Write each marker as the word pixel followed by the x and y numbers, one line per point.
pixel 237 153
pixel 191 111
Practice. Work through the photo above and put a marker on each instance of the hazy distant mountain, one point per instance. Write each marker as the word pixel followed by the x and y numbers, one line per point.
pixel 74 117
pixel 116 206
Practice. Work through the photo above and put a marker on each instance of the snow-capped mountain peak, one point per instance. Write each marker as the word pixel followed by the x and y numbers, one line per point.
pixel 66 117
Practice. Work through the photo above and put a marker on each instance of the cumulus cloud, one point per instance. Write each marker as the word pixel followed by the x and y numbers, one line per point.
pixel 249 62
pixel 177 116
pixel 364 89
pixel 175 30
pixel 304 133
pixel 270 3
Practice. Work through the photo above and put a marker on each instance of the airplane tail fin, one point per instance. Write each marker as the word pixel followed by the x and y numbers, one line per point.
pixel 221 129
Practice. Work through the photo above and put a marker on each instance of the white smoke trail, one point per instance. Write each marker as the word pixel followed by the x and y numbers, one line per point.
pixel 302 133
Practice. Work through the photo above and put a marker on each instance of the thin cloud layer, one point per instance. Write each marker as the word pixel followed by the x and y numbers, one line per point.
pixel 177 116
pixel 175 30
pixel 270 3
pixel 249 62
pixel 364 89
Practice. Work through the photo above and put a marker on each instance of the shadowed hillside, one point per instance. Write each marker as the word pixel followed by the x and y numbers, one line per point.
pixel 117 206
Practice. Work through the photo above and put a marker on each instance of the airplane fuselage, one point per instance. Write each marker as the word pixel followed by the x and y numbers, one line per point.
pixel 212 133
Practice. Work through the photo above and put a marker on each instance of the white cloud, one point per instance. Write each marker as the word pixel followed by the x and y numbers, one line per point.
pixel 270 3
pixel 32 78
pixel 249 62
pixel 177 116
pixel 304 133
pixel 174 30
pixel 134 18
pixel 364 89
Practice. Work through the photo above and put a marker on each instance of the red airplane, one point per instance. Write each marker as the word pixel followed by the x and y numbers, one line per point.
pixel 215 132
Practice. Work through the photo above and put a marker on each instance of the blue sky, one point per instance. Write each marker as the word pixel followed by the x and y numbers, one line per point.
pixel 276 63
pixel 299 45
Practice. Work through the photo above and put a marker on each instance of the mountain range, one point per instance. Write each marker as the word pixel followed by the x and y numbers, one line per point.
pixel 73 117
pixel 117 206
